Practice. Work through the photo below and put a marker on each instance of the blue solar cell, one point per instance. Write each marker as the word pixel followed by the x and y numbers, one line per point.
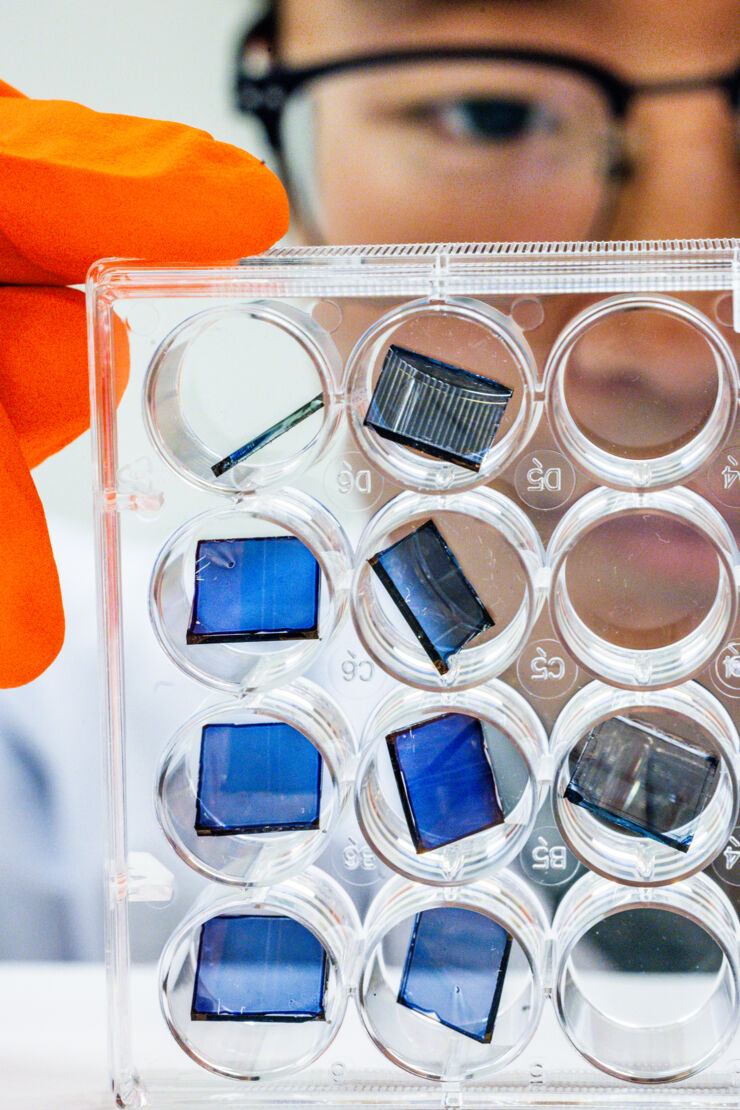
pixel 261 777
pixel 445 780
pixel 261 588
pixel 644 780
pixel 455 969
pixel 438 408
pixel 255 968
pixel 436 600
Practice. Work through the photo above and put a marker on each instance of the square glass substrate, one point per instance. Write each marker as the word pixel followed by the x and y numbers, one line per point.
pixel 255 589
pixel 258 968
pixel 445 780
pixel 428 586
pixel 644 780
pixel 254 778
pixel 455 969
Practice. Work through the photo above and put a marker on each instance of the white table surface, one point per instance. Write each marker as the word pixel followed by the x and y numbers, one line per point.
pixel 53 1037
pixel 53 1053
pixel 53 1049
pixel 53 1043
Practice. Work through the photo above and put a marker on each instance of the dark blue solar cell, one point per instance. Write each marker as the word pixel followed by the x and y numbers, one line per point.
pixel 440 409
pixel 261 588
pixel 455 969
pixel 643 779
pixel 253 968
pixel 445 780
pixel 433 595
pixel 261 777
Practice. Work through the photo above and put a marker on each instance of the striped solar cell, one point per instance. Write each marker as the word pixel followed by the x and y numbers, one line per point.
pixel 446 412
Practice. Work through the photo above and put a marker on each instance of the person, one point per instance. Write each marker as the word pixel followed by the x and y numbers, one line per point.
pixel 435 121
pixel 507 119
pixel 515 120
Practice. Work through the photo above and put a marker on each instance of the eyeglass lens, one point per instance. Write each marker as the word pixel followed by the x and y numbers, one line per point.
pixel 458 148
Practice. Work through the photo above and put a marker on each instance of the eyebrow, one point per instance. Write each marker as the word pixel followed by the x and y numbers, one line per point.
pixel 393 6
pixel 417 8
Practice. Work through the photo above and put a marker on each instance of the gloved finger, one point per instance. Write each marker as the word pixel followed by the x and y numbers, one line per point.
pixel 8 90
pixel 43 367
pixel 31 615
pixel 79 185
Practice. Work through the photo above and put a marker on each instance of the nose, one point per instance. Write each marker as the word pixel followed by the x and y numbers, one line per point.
pixel 685 179
pixel 646 381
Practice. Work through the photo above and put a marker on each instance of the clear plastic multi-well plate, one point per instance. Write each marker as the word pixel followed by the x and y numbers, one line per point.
pixel 418 580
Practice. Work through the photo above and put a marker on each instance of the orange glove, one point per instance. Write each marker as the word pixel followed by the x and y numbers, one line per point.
pixel 76 186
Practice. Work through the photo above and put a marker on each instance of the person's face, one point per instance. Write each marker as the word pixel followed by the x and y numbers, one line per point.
pixel 488 152
pixel 416 154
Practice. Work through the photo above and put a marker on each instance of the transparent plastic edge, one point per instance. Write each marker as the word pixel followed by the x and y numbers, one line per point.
pixel 670 265
pixel 547 268
pixel 126 1083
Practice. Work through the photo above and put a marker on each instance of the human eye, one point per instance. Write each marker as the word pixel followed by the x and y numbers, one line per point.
pixel 484 119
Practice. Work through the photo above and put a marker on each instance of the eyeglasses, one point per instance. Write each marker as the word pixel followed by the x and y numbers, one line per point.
pixel 512 144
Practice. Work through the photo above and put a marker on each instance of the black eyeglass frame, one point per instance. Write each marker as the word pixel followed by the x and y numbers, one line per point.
pixel 265 95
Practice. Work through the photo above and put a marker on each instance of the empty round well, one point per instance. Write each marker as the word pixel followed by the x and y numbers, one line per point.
pixel 646 981
pixel 620 406
pixel 643 587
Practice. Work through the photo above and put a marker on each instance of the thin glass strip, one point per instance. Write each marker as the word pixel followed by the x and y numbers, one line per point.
pixel 261 440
